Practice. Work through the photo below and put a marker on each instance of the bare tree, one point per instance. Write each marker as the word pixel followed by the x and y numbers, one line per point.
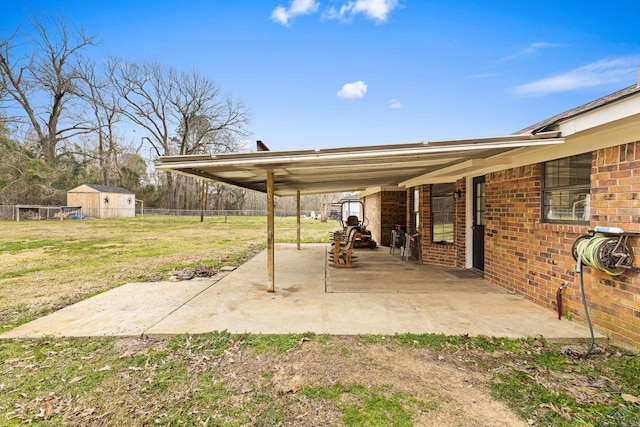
pixel 177 110
pixel 322 203
pixel 193 101
pixel 222 141
pixel 203 138
pixel 48 72
pixel 104 113
pixel 145 90
pixel 203 114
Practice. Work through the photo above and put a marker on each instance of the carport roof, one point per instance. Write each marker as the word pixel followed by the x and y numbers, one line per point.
pixel 344 169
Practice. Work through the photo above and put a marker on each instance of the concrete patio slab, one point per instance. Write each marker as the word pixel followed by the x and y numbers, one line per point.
pixel 128 310
pixel 383 295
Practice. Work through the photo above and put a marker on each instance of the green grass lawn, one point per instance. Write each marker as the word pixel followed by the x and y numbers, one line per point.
pixel 220 379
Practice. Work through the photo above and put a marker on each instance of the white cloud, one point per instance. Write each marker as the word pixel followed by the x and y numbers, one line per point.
pixel 280 15
pixel 599 73
pixel 283 15
pixel 353 90
pixel 376 10
pixel 484 76
pixel 530 50
pixel 394 104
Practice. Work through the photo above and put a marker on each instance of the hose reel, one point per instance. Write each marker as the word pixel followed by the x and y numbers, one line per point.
pixel 613 255
pixel 610 252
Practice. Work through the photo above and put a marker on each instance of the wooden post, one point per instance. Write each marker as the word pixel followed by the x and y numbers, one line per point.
pixel 298 213
pixel 270 234
pixel 202 202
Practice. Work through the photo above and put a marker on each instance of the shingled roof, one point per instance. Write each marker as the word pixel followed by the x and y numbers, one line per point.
pixel 547 124
pixel 109 189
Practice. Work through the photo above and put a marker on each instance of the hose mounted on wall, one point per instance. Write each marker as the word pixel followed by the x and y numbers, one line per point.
pixel 609 252
pixel 613 255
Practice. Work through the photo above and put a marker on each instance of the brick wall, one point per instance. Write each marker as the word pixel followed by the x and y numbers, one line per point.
pixel 414 228
pixel 616 187
pixel 409 211
pixel 394 205
pixel 459 223
pixel 433 253
pixel 615 201
pixel 533 259
pixel 373 213
pixel 384 210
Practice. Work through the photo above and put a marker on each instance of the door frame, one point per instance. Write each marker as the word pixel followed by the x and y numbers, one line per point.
pixel 478 257
pixel 469 202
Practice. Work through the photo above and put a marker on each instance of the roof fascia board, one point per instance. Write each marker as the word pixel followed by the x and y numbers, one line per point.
pixel 445 179
pixel 369 191
pixel 619 110
pixel 289 192
pixel 498 139
pixel 453 172
pixel 379 189
pixel 265 163
pixel 606 136
pixel 356 148
pixel 256 160
pixel 529 156
pixel 191 174
pixel 475 166
pixel 264 155
pixel 604 102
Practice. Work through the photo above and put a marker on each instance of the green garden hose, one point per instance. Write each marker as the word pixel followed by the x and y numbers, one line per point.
pixel 606 254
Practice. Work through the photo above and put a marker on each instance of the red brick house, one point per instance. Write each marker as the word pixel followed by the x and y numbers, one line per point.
pixel 509 206
pixel 516 222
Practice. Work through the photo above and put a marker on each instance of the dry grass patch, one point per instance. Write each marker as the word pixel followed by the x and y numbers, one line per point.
pixel 45 265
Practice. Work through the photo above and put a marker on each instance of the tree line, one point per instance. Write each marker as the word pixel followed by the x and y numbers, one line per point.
pixel 67 119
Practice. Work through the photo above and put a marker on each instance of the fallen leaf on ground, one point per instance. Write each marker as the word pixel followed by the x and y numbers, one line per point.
pixel 630 398
pixel 87 412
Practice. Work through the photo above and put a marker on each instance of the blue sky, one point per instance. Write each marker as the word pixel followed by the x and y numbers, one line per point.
pixel 327 73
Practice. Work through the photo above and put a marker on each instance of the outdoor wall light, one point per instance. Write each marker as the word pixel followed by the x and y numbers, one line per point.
pixel 457 194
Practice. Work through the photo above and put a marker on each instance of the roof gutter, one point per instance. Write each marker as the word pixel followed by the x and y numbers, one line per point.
pixel 446 146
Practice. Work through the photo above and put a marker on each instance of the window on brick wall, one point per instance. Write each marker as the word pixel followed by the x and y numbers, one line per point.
pixel 442 213
pixel 566 187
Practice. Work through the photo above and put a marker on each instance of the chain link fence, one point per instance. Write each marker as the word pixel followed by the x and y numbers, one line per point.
pixel 213 213
pixel 33 212
pixel 38 212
